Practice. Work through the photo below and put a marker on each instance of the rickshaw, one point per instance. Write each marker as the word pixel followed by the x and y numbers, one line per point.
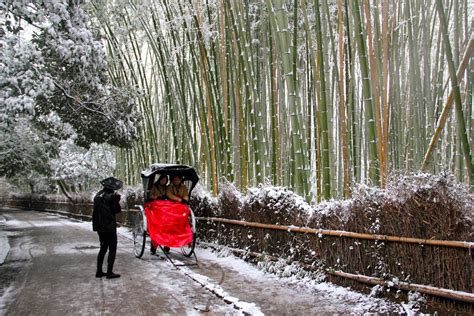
pixel 165 220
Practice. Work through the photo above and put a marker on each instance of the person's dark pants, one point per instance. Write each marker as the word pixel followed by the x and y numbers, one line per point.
pixel 108 241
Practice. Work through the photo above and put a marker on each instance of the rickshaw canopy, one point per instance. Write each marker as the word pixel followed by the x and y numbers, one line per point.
pixel 188 173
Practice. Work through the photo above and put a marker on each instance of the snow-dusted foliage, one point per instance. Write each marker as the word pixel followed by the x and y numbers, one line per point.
pixel 278 205
pixel 203 202
pixel 52 62
pixel 25 150
pixel 402 187
pixel 403 209
pixel 78 164
pixel 32 157
pixel 20 81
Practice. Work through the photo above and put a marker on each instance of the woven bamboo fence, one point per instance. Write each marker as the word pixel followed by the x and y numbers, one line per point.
pixel 422 237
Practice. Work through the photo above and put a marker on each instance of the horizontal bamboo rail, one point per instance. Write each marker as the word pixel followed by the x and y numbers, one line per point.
pixel 340 233
pixel 424 289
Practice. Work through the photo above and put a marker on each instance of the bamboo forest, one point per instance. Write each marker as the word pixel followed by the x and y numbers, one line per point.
pixel 237 157
pixel 313 95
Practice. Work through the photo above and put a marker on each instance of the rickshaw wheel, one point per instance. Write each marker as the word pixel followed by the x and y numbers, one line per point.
pixel 139 236
pixel 188 250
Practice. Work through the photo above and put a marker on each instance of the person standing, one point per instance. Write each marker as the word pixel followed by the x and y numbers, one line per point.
pixel 106 205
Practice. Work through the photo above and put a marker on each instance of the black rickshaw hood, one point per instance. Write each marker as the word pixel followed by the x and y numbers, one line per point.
pixel 187 172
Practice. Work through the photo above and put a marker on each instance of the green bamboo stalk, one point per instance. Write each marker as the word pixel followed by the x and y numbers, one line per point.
pixel 275 124
pixel 342 108
pixel 210 120
pixel 367 94
pixel 461 127
pixel 245 58
pixel 444 114
pixel 350 100
pixel 323 106
pixel 280 24
pixel 375 93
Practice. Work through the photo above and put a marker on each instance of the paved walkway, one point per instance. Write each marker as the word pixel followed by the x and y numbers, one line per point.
pixel 50 270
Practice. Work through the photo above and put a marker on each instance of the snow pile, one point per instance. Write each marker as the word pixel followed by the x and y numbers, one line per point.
pixel 282 268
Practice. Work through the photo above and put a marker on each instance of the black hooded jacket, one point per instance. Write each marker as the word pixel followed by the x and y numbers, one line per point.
pixel 106 205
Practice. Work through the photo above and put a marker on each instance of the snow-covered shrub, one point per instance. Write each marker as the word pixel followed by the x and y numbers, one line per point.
pixel 203 203
pixel 275 205
pixel 419 206
pixel 57 65
pixel 230 201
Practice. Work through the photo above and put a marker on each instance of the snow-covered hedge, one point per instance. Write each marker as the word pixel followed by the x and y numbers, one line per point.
pixel 419 206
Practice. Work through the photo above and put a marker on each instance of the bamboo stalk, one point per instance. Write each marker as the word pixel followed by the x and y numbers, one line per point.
pixel 375 93
pixel 342 107
pixel 275 113
pixel 210 120
pixel 326 169
pixel 461 126
pixel 373 166
pixel 341 233
pixel 385 99
pixel 447 107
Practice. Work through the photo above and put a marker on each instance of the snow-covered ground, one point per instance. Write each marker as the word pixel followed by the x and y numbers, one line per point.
pixel 290 289
pixel 221 283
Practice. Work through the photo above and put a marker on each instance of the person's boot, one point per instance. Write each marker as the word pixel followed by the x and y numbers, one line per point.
pixel 166 249
pixel 111 275
pixel 99 274
pixel 110 265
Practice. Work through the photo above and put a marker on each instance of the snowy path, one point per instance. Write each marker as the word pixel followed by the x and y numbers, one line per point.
pixel 50 269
